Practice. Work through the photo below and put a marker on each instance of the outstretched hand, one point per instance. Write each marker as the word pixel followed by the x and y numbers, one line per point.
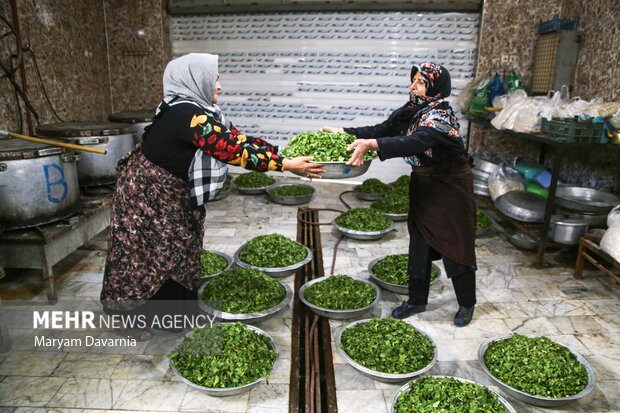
pixel 331 129
pixel 303 166
pixel 360 147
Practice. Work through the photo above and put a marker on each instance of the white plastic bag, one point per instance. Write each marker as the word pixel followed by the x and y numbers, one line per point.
pixel 613 218
pixel 610 243
pixel 504 179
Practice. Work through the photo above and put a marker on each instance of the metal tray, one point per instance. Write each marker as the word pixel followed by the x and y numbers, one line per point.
pixel 481 188
pixel 276 272
pixel 228 259
pixel 480 175
pixel 339 170
pixel 229 391
pixel 581 199
pixel 289 200
pixel 485 166
pixel 522 205
pixel 531 399
pixel 370 235
pixel 377 375
pixel 407 386
pixel 395 288
pixel 520 239
pixel 338 314
pixel 245 317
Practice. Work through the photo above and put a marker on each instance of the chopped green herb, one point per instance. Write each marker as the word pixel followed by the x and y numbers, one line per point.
pixel 388 345
pixel 242 291
pixel 363 219
pixel 393 269
pixel 223 356
pixel 340 292
pixel 272 251
pixel 482 220
pixel 254 180
pixel 292 190
pixel 322 146
pixel 212 263
pixel 447 395
pixel 537 366
pixel 401 184
pixel 395 203
pixel 373 186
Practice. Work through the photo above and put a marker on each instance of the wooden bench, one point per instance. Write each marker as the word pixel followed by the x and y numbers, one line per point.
pixel 590 250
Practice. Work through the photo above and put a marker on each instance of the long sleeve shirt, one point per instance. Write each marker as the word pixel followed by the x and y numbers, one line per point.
pixel 174 138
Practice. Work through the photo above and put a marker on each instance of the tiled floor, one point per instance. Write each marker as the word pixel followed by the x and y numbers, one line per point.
pixel 513 296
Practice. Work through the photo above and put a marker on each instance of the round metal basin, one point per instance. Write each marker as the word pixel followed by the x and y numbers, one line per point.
pixel 407 386
pixel 339 170
pixel 377 375
pixel 585 199
pixel 396 217
pixel 481 188
pixel 480 175
pixel 395 288
pixel 362 235
pixel 244 317
pixel 289 200
pixel 228 259
pixel 365 196
pixel 529 398
pixel 338 314
pixel 276 272
pixel 485 166
pixel 229 391
pixel 522 205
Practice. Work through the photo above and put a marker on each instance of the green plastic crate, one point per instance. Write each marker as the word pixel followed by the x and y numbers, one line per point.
pixel 571 130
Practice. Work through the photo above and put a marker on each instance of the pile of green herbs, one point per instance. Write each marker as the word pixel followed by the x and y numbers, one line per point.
pixel 401 184
pixel 254 180
pixel 323 146
pixel 243 291
pixel 364 220
pixel 447 395
pixel 537 366
pixel 395 203
pixel 373 186
pixel 482 220
pixel 393 269
pixel 292 190
pixel 388 345
pixel 272 251
pixel 223 356
pixel 340 292
pixel 212 263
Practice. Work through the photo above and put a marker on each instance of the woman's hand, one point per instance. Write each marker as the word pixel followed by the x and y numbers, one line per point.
pixel 331 129
pixel 303 166
pixel 359 148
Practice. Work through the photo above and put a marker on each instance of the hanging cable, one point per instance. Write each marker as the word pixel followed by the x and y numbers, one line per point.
pixel 21 93
pixel 36 67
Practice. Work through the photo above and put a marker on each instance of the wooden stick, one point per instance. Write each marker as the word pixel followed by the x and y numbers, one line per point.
pixel 53 142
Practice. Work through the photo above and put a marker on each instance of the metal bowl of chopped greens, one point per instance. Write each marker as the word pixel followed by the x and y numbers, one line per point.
pixel 226 189
pixel 440 393
pixel 408 348
pixel 372 190
pixel 290 194
pixel 253 347
pixel 346 297
pixel 340 170
pixel 214 262
pixel 277 272
pixel 545 367
pixel 253 183
pixel 214 308
pixel 396 265
pixel 363 224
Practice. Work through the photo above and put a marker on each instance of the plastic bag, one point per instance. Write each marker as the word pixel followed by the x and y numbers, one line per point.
pixel 496 88
pixel 520 113
pixel 615 119
pixel 613 218
pixel 504 179
pixel 480 99
pixel 610 243
pixel 514 81
pixel 467 93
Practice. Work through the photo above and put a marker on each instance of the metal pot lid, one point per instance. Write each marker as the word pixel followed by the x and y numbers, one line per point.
pixel 81 129
pixel 12 149
pixel 133 116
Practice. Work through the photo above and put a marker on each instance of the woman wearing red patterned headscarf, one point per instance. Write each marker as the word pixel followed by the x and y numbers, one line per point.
pixel 442 211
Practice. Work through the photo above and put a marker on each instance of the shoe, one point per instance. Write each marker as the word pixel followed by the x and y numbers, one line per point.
pixel 464 316
pixel 405 310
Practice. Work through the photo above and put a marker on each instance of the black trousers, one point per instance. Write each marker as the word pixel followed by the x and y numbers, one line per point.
pixel 421 256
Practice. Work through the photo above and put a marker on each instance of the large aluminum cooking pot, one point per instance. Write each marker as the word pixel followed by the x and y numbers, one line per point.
pixel 568 230
pixel 94 169
pixel 138 119
pixel 38 184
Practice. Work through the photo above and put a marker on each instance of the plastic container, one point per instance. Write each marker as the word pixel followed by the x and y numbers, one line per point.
pixel 570 130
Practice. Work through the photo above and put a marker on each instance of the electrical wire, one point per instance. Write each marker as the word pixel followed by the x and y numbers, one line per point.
pixel 19 113
pixel 40 78
pixel 21 93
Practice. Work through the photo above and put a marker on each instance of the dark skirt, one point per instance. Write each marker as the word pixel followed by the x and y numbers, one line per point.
pixel 443 209
pixel 155 235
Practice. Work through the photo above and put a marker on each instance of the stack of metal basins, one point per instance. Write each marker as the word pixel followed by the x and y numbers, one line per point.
pixel 482 170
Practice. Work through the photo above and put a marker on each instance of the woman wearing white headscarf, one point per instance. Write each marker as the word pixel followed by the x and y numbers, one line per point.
pixel 156 229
